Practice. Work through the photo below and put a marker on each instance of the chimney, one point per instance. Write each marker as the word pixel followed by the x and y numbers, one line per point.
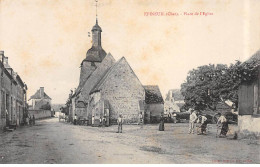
pixel 5 60
pixel 2 54
pixel 42 92
pixel 170 93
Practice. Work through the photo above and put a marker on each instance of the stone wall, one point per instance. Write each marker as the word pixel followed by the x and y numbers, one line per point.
pixel 123 91
pixel 248 125
pixel 40 114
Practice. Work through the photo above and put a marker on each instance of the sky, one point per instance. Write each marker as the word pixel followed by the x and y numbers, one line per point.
pixel 46 40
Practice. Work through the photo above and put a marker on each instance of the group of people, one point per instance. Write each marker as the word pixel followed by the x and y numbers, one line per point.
pixel 102 121
pixel 201 122
pixel 196 120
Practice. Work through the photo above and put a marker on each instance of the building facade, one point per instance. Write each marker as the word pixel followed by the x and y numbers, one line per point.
pixel 249 100
pixel 13 96
pixel 40 100
pixel 173 101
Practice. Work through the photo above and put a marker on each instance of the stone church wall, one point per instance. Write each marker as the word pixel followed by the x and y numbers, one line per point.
pixel 123 91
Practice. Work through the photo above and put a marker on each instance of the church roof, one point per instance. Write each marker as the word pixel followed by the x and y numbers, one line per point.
pixel 97 87
pixel 95 54
pixel 98 71
pixel 37 95
pixel 153 94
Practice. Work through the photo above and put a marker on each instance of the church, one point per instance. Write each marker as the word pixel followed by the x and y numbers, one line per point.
pixel 109 88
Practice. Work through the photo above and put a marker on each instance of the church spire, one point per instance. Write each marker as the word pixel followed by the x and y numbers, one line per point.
pixel 96 12
pixel 96 31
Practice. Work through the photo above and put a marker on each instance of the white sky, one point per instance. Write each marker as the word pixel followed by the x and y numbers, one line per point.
pixel 46 40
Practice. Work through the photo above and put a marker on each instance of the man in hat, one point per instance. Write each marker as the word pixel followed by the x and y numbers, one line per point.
pixel 119 122
pixel 93 120
pixel 193 118
pixel 75 119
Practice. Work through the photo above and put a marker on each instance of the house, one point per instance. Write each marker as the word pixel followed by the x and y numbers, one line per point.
pixel 153 104
pixel 109 88
pixel 173 101
pixel 249 98
pixel 40 100
pixel 13 96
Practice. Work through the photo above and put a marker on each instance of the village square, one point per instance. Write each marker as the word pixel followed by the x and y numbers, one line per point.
pixel 112 116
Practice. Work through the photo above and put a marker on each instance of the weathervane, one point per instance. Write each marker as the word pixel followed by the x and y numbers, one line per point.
pixel 96 7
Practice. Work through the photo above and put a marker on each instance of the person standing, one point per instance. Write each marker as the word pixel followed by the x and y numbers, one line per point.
pixel 33 120
pixel 223 123
pixel 100 121
pixel 27 120
pixel 7 117
pixel 75 119
pixel 120 124
pixel 93 120
pixel 140 118
pixel 161 125
pixel 103 121
pixel 193 118
pixel 202 121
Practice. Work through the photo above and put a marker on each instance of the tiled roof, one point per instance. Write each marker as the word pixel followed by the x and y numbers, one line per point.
pixel 153 94
pixel 95 54
pixel 95 73
pixel 255 59
pixel 96 27
pixel 222 105
pixel 37 95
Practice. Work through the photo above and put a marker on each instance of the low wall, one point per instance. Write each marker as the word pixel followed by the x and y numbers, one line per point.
pixel 248 126
pixel 39 114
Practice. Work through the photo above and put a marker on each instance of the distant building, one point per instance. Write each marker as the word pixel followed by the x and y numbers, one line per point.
pixel 173 101
pixel 13 95
pixel 108 88
pixel 40 100
pixel 249 101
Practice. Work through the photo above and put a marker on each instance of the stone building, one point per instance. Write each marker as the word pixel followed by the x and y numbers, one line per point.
pixel 108 88
pixel 40 100
pixel 13 96
pixel 249 100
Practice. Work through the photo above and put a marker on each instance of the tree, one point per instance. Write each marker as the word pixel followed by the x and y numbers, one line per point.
pixel 209 84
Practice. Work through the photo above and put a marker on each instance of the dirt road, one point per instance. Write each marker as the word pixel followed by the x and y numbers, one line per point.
pixel 51 141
